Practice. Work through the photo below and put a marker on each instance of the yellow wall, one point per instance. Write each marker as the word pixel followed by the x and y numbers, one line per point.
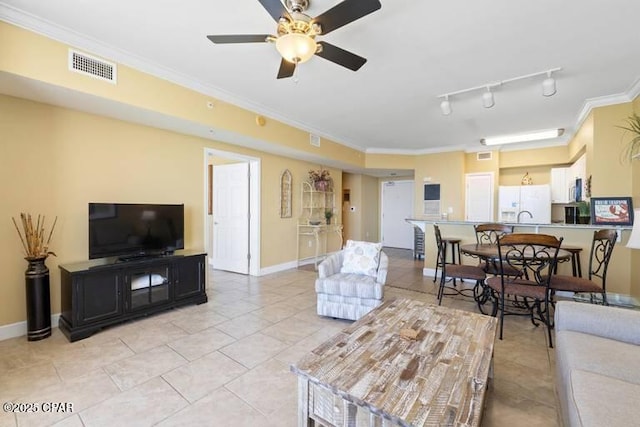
pixel 54 161
pixel 370 208
pixel 353 219
pixel 446 169
pixel 36 57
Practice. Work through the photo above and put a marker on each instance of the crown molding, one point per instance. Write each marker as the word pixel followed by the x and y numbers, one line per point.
pixel 602 101
pixel 93 46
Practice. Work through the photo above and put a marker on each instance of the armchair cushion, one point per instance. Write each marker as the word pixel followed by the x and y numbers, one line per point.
pixel 351 285
pixel 361 258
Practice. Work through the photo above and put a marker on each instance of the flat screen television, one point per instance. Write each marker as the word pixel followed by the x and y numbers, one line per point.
pixel 129 230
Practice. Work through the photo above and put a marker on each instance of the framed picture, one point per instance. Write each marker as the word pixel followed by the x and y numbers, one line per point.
pixel 611 211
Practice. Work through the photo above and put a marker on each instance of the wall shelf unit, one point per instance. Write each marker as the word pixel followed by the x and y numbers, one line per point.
pixel 312 222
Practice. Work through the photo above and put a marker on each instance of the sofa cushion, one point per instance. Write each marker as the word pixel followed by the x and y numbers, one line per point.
pixel 598 355
pixel 604 401
pixel 361 258
pixel 350 285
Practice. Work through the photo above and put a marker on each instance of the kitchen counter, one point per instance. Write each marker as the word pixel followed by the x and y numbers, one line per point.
pixel 421 224
pixel 579 235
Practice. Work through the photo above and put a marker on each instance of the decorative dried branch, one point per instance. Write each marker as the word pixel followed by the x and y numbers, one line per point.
pixel 32 240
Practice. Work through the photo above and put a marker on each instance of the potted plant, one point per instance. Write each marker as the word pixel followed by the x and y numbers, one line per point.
pixel 632 150
pixel 584 212
pixel 328 214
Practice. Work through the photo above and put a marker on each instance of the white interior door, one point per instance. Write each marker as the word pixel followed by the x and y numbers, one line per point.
pixel 231 217
pixel 397 205
pixel 479 197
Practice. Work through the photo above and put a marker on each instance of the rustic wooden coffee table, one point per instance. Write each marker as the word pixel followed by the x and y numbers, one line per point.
pixel 374 373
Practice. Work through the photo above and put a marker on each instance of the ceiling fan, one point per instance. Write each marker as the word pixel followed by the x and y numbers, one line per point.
pixel 296 39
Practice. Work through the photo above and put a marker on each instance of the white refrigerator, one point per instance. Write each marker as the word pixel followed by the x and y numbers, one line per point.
pixel 514 200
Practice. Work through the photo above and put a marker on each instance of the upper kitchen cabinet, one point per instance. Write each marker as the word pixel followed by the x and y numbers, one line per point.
pixel 567 184
pixel 559 187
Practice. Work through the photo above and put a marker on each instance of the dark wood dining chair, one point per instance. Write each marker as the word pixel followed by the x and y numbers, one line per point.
pixel 489 233
pixel 596 281
pixel 455 271
pixel 534 256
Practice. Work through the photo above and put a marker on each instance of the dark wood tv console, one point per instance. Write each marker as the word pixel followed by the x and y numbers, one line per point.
pixel 99 293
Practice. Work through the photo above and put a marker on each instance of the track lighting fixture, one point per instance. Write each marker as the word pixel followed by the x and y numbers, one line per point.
pixel 549 85
pixel 445 106
pixel 488 101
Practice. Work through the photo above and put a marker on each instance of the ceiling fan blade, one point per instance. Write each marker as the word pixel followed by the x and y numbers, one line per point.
pixel 344 13
pixel 286 69
pixel 239 38
pixel 340 56
pixel 276 9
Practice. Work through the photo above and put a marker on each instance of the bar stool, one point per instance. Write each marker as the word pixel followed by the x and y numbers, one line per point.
pixel 454 242
pixel 576 268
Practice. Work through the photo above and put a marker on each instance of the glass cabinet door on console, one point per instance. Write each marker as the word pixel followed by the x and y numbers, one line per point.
pixel 147 287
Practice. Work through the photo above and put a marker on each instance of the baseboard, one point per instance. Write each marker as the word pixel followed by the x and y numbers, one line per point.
pixel 20 328
pixel 278 267
pixel 291 265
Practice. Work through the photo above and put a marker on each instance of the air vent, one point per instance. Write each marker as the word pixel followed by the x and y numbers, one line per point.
pixel 92 66
pixel 314 140
pixel 484 155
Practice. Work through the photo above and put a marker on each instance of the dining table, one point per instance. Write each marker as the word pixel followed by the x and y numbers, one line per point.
pixel 489 253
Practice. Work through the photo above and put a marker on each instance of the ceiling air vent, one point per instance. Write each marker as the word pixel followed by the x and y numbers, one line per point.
pixel 314 140
pixel 484 155
pixel 92 66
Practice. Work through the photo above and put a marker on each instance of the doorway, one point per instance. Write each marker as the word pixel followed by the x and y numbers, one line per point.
pixel 232 211
pixel 397 205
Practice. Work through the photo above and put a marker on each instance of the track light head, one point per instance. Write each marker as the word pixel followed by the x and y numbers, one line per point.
pixel 487 99
pixel 549 85
pixel 445 106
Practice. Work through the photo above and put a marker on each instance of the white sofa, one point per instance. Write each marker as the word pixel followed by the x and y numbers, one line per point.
pixel 597 364
pixel 349 295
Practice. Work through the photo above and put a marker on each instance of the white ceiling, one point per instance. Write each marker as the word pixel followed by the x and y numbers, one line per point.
pixel 416 50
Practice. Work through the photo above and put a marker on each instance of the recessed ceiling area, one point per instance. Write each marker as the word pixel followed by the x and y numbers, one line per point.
pixel 415 52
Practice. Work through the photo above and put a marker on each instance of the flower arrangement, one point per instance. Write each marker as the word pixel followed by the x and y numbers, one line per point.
pixel 319 175
pixel 321 179
pixel 33 240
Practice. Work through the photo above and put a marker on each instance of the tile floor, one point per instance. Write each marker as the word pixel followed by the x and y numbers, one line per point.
pixel 226 363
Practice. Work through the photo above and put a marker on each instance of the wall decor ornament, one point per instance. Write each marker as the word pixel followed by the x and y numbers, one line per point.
pixel 285 193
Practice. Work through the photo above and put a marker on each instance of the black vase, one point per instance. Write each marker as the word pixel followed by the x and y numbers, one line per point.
pixel 38 299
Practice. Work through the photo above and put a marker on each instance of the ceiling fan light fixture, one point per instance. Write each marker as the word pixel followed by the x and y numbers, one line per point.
pixel 296 48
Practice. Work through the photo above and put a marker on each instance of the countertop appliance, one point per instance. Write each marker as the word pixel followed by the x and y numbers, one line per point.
pixel 571 215
pixel 515 201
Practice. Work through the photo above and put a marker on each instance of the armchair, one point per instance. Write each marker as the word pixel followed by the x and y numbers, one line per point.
pixel 349 293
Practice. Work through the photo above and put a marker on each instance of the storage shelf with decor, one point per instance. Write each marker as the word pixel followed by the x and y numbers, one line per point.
pixel 317 218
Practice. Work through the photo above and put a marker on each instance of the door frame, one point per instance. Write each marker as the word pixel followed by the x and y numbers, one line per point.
pixel 381 198
pixel 254 205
